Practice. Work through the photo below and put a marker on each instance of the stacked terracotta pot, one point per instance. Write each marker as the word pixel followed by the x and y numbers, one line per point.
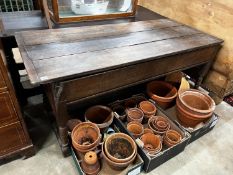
pixel 85 137
pixel 119 150
pixel 194 107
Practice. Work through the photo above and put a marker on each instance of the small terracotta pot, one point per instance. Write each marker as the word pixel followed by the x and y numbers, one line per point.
pixel 158 124
pixel 85 137
pixel 115 165
pixel 135 128
pixel 172 138
pixel 100 115
pixel 152 143
pixel 147 130
pixel 90 164
pixel 120 110
pixel 72 123
pixel 148 109
pixel 134 114
pixel 162 93
pixel 130 103
pixel 120 147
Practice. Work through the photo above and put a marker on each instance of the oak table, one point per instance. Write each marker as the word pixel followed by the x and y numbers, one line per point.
pixel 76 63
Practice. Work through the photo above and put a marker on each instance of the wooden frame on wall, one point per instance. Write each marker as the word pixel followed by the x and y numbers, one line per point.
pixel 54 14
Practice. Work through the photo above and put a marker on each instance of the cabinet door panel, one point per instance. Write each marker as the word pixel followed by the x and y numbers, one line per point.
pixel 2 82
pixel 7 110
pixel 11 138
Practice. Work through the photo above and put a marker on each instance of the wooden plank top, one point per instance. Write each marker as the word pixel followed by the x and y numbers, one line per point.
pixel 62 54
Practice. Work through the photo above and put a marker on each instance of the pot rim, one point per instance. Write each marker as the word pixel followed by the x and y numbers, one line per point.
pixel 101 125
pixel 206 98
pixel 165 99
pixel 194 116
pixel 93 125
pixel 125 136
pixel 147 112
pixel 135 123
pixel 158 149
pixel 135 109
pixel 156 131
pixel 121 165
pixel 172 131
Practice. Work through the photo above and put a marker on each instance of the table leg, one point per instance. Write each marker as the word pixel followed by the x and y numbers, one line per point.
pixel 204 72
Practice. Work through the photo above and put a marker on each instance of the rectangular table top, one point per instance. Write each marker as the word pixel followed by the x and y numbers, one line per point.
pixel 62 54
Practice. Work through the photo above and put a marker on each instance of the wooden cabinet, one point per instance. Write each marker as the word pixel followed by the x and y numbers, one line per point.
pixel 14 138
pixel 2 82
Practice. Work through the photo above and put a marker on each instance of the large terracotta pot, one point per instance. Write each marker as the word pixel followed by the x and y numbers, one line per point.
pixel 158 124
pixel 194 107
pixel 100 115
pixel 172 138
pixel 162 93
pixel 148 109
pixel 135 128
pixel 115 165
pixel 120 147
pixel 90 164
pixel 152 143
pixel 134 114
pixel 85 137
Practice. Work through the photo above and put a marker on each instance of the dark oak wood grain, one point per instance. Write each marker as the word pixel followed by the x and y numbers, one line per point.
pixel 66 59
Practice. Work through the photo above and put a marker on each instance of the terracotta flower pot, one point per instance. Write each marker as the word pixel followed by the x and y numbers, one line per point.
pixel 115 165
pixel 120 147
pixel 148 109
pixel 172 138
pixel 72 123
pixel 85 137
pixel 147 130
pixel 162 93
pixel 120 110
pixel 90 164
pixel 152 143
pixel 158 124
pixel 194 107
pixel 196 102
pixel 134 114
pixel 100 115
pixel 135 128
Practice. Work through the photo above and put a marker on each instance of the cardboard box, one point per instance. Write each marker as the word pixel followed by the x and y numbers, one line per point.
pixel 150 163
pixel 133 169
pixel 194 132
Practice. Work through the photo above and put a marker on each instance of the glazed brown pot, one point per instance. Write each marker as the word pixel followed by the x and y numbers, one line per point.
pixel 148 109
pixel 115 165
pixel 152 143
pixel 172 138
pixel 158 124
pixel 134 114
pixel 100 115
pixel 90 164
pixel 135 128
pixel 162 93
pixel 194 107
pixel 120 147
pixel 85 137
pixel 120 110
